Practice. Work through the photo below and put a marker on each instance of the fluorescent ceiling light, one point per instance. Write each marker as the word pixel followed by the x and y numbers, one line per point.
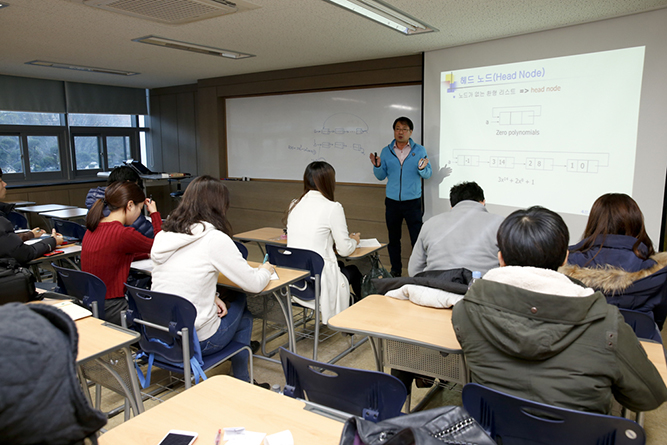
pixel 185 46
pixel 385 14
pixel 88 69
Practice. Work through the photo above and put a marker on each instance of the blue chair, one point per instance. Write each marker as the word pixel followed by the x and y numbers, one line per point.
pixel 84 286
pixel 642 324
pixel 166 325
pixel 70 230
pixel 512 420
pixel 372 395
pixel 307 289
pixel 18 221
pixel 243 249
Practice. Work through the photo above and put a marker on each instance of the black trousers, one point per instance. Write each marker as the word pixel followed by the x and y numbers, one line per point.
pixel 395 213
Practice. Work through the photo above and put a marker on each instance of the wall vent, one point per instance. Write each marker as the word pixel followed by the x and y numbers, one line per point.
pixel 172 12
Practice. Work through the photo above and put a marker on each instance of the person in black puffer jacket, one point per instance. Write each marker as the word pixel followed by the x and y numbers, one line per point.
pixel 41 400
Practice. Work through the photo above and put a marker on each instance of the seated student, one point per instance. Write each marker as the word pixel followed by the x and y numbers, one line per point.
pixel 616 252
pixel 463 237
pixel 109 247
pixel 189 254
pixel 122 174
pixel 12 244
pixel 530 331
pixel 316 222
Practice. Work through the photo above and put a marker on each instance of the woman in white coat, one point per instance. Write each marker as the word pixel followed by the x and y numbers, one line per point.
pixel 316 222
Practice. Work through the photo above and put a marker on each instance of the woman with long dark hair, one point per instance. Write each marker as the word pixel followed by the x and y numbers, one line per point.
pixel 189 254
pixel 109 246
pixel 615 235
pixel 315 222
pixel 616 252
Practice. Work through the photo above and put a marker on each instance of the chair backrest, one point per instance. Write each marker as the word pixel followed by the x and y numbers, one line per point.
pixel 369 394
pixel 84 286
pixel 303 259
pixel 512 420
pixel 642 324
pixel 70 230
pixel 18 221
pixel 165 310
pixel 243 249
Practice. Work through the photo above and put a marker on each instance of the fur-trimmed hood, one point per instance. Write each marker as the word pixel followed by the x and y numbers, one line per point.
pixel 612 280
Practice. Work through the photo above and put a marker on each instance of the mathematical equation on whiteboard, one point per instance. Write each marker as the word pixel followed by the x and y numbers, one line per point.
pixel 543 161
pixel 507 179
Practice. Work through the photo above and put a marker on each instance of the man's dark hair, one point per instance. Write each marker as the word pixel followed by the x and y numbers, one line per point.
pixel 405 121
pixel 124 173
pixel 534 237
pixel 465 191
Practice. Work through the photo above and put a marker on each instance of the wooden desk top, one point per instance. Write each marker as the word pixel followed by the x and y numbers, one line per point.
pixel 286 276
pixel 273 235
pixel 656 353
pixel 97 337
pixel 401 320
pixel 68 251
pixel 223 401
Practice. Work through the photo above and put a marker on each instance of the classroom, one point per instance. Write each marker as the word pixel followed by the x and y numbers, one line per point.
pixel 84 56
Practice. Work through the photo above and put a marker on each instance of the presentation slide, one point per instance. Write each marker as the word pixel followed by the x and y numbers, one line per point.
pixel 559 132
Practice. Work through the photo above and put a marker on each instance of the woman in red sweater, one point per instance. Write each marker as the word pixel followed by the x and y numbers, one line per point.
pixel 109 247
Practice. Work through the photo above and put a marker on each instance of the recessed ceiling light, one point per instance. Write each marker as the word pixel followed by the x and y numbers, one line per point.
pixel 386 15
pixel 89 69
pixel 3 5
pixel 192 47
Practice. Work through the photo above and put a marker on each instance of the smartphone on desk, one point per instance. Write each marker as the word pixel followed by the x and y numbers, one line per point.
pixel 178 437
pixel 55 252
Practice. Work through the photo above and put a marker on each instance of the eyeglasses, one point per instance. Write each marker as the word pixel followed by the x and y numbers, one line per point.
pixel 404 129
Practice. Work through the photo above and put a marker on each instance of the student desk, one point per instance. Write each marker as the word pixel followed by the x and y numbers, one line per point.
pixel 273 235
pixel 72 213
pixel 656 353
pixel 104 351
pixel 411 337
pixel 69 252
pixel 104 357
pixel 280 289
pixel 223 401
pixel 414 338
pixel 29 211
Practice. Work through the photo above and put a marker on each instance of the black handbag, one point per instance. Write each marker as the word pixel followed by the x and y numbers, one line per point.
pixel 377 272
pixel 445 425
pixel 17 284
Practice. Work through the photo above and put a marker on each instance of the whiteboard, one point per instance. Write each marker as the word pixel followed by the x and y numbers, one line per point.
pixel 276 137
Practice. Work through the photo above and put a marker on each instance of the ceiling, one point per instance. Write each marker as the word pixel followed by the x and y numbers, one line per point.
pixel 280 33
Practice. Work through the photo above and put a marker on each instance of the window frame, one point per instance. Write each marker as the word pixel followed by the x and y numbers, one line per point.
pixel 25 131
pixel 102 133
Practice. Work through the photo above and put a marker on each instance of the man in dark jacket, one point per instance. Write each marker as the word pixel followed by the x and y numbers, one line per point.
pixel 530 331
pixel 12 245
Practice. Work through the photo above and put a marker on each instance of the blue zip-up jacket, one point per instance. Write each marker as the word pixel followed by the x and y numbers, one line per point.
pixel 404 181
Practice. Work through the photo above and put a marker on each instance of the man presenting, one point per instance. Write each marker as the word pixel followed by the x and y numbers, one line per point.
pixel 463 237
pixel 404 163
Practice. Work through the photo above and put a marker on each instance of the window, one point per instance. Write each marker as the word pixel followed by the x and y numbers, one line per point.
pixel 100 120
pixel 41 146
pixel 10 154
pixel 19 118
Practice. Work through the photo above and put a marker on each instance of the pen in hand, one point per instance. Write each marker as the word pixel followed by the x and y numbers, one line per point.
pixel 217 437
pixel 266 258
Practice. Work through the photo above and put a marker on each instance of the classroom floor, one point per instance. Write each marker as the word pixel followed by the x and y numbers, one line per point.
pixel 655 423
